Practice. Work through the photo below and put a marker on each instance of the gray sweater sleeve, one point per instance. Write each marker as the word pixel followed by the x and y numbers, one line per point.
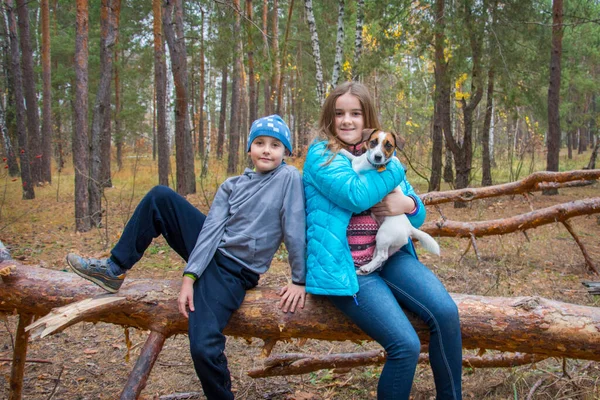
pixel 211 233
pixel 293 221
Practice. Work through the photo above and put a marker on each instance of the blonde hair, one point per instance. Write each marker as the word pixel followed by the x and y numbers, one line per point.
pixel 326 129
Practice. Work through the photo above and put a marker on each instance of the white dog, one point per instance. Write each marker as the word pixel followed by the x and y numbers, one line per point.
pixel 394 231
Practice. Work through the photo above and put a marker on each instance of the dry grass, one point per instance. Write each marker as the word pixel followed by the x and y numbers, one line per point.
pixel 90 361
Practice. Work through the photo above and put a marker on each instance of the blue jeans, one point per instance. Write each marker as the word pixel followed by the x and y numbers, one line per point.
pixel 218 292
pixel 405 282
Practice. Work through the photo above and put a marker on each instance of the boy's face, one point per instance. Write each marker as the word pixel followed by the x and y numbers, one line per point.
pixel 266 153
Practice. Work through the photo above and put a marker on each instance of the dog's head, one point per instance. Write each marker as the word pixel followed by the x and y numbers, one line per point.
pixel 380 146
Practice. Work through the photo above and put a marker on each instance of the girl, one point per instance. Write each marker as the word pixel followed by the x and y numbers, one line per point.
pixel 341 235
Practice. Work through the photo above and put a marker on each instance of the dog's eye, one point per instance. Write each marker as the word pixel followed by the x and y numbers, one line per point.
pixel 373 143
pixel 388 146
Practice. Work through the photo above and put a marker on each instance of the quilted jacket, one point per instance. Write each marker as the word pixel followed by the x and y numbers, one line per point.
pixel 333 193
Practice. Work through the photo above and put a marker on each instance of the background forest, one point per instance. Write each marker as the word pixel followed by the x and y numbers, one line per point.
pixel 103 99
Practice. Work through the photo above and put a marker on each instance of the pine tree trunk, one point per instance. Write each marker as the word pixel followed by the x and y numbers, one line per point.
pixel 160 89
pixel 223 114
pixel 360 19
pixel 553 140
pixel 339 45
pixel 101 110
pixel 24 154
pixel 268 104
pixel 29 89
pixel 80 105
pixel 46 168
pixel 184 151
pixel 252 96
pixel 283 62
pixel 486 164
pixel 441 78
pixel 201 132
pixel 235 111
pixel 314 38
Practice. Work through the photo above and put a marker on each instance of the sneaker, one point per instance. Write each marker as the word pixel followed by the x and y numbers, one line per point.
pixel 97 271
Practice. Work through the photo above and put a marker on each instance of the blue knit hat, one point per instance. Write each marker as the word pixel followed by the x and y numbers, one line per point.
pixel 272 126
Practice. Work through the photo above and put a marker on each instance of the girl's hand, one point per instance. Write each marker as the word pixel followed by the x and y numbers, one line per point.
pixel 395 203
pixel 291 296
pixel 186 296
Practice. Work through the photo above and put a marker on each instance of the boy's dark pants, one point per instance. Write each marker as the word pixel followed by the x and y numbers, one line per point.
pixel 218 292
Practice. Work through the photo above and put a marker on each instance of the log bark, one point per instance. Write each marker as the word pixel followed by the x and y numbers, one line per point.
pixel 143 366
pixel 533 182
pixel 19 357
pixel 297 364
pixel 524 324
pixel 522 222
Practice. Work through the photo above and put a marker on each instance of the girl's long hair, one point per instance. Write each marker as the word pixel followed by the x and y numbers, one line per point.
pixel 326 129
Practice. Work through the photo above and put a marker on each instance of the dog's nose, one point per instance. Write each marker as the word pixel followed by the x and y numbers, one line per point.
pixel 377 157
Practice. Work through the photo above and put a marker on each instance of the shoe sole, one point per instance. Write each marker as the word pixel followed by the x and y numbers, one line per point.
pixel 92 279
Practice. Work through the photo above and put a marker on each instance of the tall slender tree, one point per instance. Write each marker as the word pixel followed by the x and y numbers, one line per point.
pixel 29 88
pixel 339 45
pixel 24 155
pixel 253 106
pixel 160 90
pixel 223 112
pixel 201 89
pixel 80 140
pixel 553 139
pixel 358 38
pixel 47 95
pixel 101 110
pixel 235 112
pixel 282 62
pixel 184 150
pixel 314 39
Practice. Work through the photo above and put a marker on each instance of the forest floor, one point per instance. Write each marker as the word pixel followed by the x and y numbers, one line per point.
pixel 92 361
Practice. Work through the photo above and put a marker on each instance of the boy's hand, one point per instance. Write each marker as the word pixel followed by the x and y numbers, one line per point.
pixel 291 296
pixel 186 296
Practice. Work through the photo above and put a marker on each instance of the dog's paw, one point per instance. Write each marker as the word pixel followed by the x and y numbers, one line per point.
pixel 364 271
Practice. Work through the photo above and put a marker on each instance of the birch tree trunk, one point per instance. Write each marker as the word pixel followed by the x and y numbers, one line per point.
pixel 80 134
pixel 223 113
pixel 314 38
pixel 46 170
pixel 29 90
pixel 360 19
pixel 24 155
pixel 339 45
pixel 160 90
pixel 553 140
pixel 266 89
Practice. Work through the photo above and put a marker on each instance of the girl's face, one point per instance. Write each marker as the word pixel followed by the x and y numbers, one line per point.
pixel 349 119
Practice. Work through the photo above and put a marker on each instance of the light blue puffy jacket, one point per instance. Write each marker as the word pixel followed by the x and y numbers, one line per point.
pixel 333 193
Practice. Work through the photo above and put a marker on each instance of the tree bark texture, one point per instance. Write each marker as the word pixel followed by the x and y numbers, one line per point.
pixel 276 66
pixel 29 89
pixel 339 45
pixel 46 167
pixel 80 140
pixel 440 98
pixel 235 110
pixel 314 39
pixel 553 139
pixel 201 86
pixel 184 150
pixel 19 357
pixel 358 39
pixel 143 366
pixel 101 110
pixel 283 62
pixel 524 324
pixel 529 184
pixel 7 142
pixel 160 90
pixel 223 112
pixel 24 154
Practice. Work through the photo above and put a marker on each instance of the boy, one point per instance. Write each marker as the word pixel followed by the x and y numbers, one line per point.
pixel 226 250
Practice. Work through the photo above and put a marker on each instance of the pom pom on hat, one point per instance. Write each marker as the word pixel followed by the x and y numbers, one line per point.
pixel 273 126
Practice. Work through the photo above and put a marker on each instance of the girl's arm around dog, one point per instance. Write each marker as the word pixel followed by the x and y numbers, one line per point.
pixel 338 182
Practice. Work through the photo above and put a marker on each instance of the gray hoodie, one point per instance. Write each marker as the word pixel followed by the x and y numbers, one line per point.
pixel 250 216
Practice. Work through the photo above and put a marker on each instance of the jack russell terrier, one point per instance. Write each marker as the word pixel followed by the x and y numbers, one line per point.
pixel 394 231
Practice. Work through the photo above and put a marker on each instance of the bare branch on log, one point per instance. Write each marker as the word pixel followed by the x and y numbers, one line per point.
pixel 525 324
pixel 19 356
pixel 588 259
pixel 298 363
pixel 557 213
pixel 534 182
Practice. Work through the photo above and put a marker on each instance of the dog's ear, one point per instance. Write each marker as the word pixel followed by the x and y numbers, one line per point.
pixel 366 134
pixel 400 142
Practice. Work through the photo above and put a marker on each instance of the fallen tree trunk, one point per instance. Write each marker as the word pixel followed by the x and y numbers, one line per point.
pixel 522 222
pixel 297 363
pixel 524 324
pixel 534 182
